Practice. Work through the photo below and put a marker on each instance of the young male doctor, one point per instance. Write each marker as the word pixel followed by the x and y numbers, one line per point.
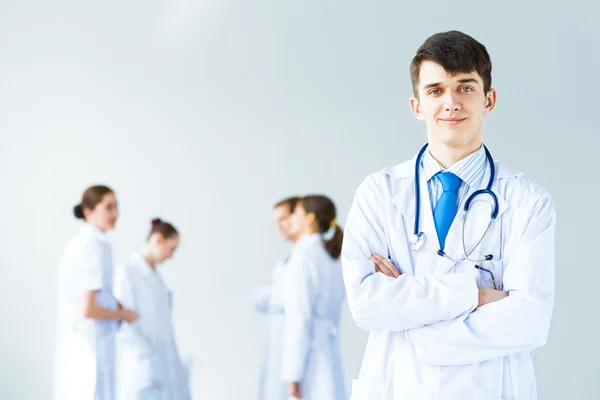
pixel 455 305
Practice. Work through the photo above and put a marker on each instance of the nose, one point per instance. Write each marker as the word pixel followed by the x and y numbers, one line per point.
pixel 452 102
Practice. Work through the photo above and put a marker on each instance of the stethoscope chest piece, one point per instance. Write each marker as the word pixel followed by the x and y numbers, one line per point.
pixel 416 241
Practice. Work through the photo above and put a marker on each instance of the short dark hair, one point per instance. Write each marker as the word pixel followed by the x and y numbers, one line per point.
pixel 291 202
pixel 456 52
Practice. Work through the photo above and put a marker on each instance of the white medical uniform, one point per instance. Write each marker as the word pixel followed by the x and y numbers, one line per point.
pixel 313 296
pixel 85 352
pixel 427 338
pixel 268 300
pixel 149 364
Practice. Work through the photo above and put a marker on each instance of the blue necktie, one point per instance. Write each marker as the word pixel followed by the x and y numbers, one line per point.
pixel 445 209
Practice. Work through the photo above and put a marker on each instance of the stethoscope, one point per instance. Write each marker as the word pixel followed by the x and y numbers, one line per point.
pixel 419 237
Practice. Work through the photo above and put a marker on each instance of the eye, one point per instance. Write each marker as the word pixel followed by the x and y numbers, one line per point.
pixel 434 92
pixel 466 89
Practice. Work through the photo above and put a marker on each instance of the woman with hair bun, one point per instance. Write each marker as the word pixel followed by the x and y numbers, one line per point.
pixel 314 292
pixel 149 365
pixel 88 313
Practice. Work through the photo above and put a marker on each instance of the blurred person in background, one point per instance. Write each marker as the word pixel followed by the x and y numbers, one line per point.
pixel 88 313
pixel 149 364
pixel 313 296
pixel 268 300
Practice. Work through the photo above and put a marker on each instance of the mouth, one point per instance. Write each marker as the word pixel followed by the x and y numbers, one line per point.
pixel 452 121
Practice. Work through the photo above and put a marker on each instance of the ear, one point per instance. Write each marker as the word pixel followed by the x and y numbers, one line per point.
pixel 490 100
pixel 415 106
pixel 311 218
pixel 87 212
pixel 157 238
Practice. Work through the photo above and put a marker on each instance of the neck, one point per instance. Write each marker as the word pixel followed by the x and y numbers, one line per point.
pixel 447 156
pixel 308 231
pixel 97 227
pixel 148 257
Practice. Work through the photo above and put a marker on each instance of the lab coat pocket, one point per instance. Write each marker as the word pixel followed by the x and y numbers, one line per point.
pixel 365 390
pixel 491 244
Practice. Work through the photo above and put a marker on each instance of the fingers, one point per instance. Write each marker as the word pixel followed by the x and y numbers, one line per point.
pixel 132 316
pixel 489 295
pixel 384 266
pixel 294 389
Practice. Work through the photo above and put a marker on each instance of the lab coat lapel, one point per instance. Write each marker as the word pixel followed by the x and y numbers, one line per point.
pixel 405 202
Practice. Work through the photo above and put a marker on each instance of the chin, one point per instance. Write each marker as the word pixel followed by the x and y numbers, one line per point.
pixel 453 137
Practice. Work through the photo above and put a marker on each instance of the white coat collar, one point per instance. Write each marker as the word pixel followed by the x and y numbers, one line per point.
pixel 91 230
pixel 138 260
pixel 307 240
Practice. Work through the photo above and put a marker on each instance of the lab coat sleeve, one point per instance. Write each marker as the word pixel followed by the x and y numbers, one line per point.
pixel 130 334
pixel 379 302
pixel 516 323
pixel 92 271
pixel 261 297
pixel 300 291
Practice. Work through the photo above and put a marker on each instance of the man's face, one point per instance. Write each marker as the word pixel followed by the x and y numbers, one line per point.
pixel 452 106
pixel 282 219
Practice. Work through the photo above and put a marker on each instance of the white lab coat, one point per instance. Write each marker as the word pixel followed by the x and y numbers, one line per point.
pixel 268 300
pixel 427 338
pixel 85 351
pixel 313 296
pixel 149 364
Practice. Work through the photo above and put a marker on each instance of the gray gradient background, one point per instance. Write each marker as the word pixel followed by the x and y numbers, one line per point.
pixel 207 112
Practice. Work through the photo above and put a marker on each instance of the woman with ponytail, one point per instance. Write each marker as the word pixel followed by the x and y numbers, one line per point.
pixel 88 313
pixel 149 363
pixel 314 292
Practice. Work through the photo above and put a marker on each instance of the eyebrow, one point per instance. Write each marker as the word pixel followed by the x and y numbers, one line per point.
pixel 466 80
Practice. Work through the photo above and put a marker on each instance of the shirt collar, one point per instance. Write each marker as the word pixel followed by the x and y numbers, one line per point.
pixel 91 230
pixel 307 240
pixel 468 169
pixel 140 263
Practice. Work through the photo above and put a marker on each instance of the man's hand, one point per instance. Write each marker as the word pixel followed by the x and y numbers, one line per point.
pixel 384 266
pixel 294 389
pixel 489 295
